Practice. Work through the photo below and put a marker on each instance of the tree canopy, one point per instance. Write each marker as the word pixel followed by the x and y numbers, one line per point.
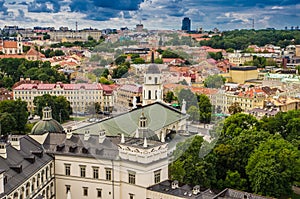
pixel 36 70
pixel 13 116
pixel 259 156
pixel 60 106
pixel 241 39
pixel 214 81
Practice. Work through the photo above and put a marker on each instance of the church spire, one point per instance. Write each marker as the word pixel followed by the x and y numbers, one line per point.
pixel 152 56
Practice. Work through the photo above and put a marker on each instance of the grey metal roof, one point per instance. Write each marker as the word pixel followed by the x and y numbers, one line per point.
pixel 153 69
pixel 17 158
pixel 76 146
pixel 184 191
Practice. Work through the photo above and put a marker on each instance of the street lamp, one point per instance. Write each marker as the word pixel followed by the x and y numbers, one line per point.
pixel 60 115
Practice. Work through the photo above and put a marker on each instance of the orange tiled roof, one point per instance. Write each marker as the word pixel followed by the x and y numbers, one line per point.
pixel 10 44
pixel 250 93
pixel 12 56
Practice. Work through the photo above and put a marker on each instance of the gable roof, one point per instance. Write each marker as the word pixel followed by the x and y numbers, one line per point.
pixel 158 116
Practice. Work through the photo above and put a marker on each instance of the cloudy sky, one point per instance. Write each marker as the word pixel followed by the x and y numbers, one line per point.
pixel 154 14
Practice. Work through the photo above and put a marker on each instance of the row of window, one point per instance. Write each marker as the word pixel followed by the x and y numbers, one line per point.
pixel 58 92
pixel 85 191
pixel 108 174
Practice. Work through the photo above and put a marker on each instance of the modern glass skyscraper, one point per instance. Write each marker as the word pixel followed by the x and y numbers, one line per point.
pixel 186 24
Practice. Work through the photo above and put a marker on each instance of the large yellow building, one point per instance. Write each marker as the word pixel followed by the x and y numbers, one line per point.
pixel 249 99
pixel 241 74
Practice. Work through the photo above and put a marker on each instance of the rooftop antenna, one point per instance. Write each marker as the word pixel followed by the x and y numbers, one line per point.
pixel 76 25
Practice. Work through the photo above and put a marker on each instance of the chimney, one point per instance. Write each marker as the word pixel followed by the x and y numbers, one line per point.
pixel 145 145
pixel 3 153
pixel 175 184
pixel 69 132
pixel 122 138
pixel 86 135
pixel 2 181
pixel 196 189
pixel 101 136
pixel 15 142
pixel 137 133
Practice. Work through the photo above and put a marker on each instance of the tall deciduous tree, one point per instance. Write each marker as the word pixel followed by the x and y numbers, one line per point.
pixel 8 123
pixel 188 96
pixel 273 167
pixel 194 113
pixel 214 81
pixel 205 108
pixel 60 106
pixel 18 110
pixel 235 108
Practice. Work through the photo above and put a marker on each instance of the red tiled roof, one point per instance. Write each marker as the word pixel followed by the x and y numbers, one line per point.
pixel 64 86
pixel 10 44
pixel 250 93
pixel 12 56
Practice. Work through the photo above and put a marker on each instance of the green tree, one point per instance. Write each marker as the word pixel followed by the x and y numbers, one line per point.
pixel 121 59
pixel 169 97
pixel 205 108
pixel 18 110
pixel 273 167
pixel 216 56
pixel 214 81
pixel 230 50
pixel 103 80
pixel 235 108
pixel 8 123
pixel 46 36
pixel 189 167
pixel 158 61
pixel 233 180
pixel 61 108
pixel 194 113
pixel 169 54
pixel 235 124
pixel 188 96
pixel 183 82
pixel 138 61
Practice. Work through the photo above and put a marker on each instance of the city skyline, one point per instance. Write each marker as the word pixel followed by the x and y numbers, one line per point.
pixel 154 14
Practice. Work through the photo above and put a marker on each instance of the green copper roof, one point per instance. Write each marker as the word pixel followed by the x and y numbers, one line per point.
pixel 44 126
pixel 158 115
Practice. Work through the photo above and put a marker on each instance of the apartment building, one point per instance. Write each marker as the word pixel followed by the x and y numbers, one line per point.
pixel 80 96
pixel 126 94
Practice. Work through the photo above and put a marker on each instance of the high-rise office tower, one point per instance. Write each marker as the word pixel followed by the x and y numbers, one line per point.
pixel 186 24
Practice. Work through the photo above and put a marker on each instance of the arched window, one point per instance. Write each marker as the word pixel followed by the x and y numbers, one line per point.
pixel 149 94
pixel 32 184
pixel 27 189
pixel 38 181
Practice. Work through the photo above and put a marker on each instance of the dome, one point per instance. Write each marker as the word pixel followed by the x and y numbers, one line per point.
pixel 45 126
pixel 153 69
